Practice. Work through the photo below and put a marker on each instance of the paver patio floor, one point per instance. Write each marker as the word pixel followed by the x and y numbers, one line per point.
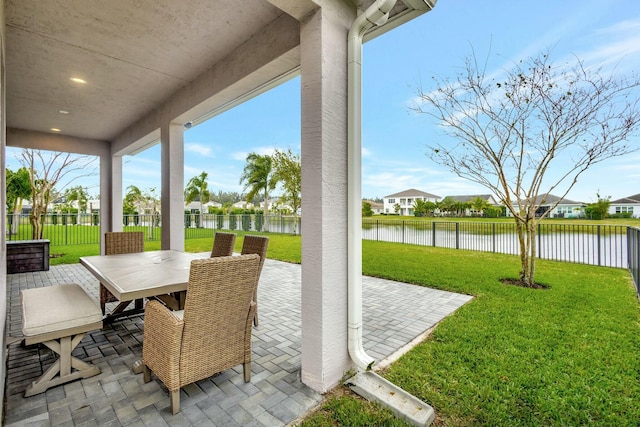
pixel 393 314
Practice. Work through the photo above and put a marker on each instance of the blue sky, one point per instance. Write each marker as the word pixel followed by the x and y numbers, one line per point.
pixel 394 138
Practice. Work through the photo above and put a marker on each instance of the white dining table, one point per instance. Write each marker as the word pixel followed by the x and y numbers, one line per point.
pixel 141 275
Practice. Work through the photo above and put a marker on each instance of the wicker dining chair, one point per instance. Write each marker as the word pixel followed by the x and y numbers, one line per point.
pixel 118 242
pixel 211 334
pixel 223 244
pixel 256 245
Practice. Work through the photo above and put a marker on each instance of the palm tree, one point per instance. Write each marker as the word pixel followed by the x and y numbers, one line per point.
pixel 257 177
pixel 197 188
pixel 479 205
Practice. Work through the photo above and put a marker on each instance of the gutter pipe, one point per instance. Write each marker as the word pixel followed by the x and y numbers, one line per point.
pixel 376 14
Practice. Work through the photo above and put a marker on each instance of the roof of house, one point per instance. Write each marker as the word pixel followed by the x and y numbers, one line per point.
pixel 471 197
pixel 550 199
pixel 412 192
pixel 631 199
pixel 374 204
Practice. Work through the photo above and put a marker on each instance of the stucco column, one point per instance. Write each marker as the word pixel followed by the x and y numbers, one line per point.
pixel 116 193
pixel 172 192
pixel 323 46
pixel 3 208
pixel 110 195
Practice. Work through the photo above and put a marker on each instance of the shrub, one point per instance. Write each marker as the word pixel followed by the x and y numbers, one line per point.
pixel 246 222
pixel 259 221
pixel 622 215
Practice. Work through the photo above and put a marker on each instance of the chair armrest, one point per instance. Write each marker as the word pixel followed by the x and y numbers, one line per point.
pixel 162 343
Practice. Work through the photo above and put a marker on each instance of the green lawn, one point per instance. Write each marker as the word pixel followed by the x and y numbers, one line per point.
pixel 282 247
pixel 567 355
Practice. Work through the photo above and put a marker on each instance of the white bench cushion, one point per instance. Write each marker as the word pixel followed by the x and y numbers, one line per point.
pixel 56 308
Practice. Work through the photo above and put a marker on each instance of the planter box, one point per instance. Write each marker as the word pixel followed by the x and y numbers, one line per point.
pixel 27 255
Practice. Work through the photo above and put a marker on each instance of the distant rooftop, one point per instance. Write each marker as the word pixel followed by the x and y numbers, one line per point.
pixel 631 199
pixel 549 199
pixel 470 197
pixel 412 192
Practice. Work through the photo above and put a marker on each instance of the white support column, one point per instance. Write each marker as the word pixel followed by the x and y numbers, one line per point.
pixel 110 180
pixel 116 193
pixel 172 192
pixel 323 49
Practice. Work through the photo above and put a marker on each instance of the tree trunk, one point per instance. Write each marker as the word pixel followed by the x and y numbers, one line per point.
pixel 526 231
pixel 265 226
pixel 15 219
pixel 34 218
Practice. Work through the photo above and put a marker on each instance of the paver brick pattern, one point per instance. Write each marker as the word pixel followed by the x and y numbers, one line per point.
pixel 393 315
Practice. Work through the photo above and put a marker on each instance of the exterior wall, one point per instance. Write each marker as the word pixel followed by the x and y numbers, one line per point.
pixel 3 211
pixel 576 211
pixel 567 211
pixel 406 204
pixel 633 208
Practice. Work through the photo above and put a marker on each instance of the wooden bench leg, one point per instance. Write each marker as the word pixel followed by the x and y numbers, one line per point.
pixel 63 366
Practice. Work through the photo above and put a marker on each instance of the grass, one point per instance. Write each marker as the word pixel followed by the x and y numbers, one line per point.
pixel 562 356
pixel 282 247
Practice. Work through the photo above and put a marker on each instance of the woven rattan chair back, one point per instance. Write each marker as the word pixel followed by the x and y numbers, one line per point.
pixel 118 242
pixel 213 333
pixel 256 245
pixel 223 244
pixel 219 296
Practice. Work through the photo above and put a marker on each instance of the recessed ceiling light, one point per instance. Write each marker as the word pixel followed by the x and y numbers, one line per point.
pixel 78 80
pixel 55 130
pixel 63 112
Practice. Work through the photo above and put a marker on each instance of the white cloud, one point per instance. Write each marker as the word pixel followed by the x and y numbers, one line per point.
pixel 198 149
pixel 242 155
pixel 190 172
pixel 140 167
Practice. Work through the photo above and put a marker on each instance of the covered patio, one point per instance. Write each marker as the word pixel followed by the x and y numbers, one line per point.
pixel 112 80
pixel 395 314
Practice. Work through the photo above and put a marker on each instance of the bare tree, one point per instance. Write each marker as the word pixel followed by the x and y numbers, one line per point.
pixel 509 133
pixel 46 170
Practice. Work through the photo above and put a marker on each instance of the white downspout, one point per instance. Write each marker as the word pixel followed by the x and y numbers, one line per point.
pixel 376 14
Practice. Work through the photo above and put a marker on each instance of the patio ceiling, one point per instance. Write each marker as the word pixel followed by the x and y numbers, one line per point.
pixel 142 58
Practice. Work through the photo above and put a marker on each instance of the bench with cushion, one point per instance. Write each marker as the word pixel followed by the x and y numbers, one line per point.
pixel 59 317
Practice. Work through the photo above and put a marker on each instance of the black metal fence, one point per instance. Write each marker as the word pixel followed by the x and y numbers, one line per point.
pixel 633 249
pixel 604 245
pixel 74 229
